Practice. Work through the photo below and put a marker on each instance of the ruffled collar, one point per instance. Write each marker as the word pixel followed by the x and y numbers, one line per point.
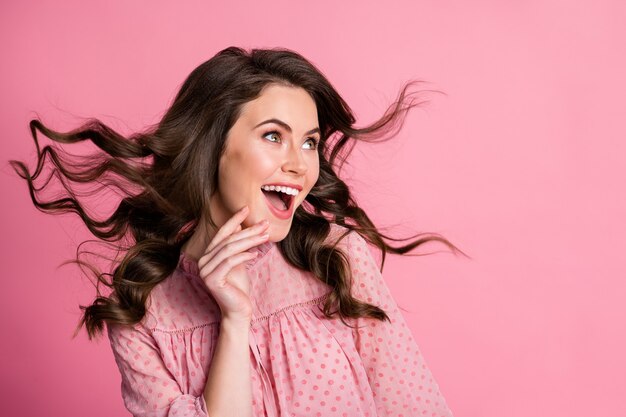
pixel 187 264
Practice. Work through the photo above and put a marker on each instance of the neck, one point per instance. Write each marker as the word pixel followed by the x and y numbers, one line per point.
pixel 196 245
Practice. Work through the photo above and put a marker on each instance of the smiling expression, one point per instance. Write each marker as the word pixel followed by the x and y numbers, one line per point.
pixel 273 142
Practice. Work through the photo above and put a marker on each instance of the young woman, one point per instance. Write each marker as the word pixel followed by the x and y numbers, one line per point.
pixel 247 286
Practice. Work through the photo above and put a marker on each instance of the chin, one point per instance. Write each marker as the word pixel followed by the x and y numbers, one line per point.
pixel 280 234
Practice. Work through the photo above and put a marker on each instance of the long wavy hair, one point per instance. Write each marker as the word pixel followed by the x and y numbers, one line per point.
pixel 168 173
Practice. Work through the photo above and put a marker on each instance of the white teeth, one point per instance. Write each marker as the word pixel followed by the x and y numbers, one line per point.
pixel 286 190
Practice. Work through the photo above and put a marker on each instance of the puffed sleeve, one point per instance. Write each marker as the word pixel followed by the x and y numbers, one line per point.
pixel 148 388
pixel 400 380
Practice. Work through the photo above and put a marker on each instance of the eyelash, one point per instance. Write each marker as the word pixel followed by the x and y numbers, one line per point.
pixel 314 140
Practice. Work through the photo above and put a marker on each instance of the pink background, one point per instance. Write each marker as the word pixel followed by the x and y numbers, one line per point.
pixel 522 165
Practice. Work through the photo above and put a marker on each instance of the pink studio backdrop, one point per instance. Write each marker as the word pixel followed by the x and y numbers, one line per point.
pixel 521 164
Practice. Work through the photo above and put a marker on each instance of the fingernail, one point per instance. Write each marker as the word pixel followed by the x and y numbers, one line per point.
pixel 245 208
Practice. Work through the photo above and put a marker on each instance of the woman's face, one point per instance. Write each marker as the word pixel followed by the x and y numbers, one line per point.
pixel 273 143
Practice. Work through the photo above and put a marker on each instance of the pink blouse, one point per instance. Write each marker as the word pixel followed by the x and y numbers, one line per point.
pixel 302 363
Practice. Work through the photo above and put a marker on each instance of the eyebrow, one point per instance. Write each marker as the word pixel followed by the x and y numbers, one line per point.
pixel 286 126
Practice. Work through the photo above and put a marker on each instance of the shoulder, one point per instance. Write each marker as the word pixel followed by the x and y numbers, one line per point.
pixel 339 233
pixel 179 302
pixel 356 247
pixel 348 239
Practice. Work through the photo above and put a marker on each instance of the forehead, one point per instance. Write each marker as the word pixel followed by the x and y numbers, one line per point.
pixel 290 104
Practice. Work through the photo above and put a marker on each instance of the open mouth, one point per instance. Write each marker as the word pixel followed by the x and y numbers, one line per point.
pixel 280 201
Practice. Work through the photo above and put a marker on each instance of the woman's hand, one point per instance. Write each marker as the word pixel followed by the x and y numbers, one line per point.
pixel 221 265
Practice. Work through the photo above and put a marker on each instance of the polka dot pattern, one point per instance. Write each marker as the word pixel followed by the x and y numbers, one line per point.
pixel 303 364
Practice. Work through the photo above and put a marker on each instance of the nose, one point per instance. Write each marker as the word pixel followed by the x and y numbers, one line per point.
pixel 294 161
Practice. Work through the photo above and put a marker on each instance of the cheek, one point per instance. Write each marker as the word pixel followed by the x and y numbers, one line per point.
pixel 230 180
pixel 259 164
pixel 242 172
pixel 226 174
pixel 313 171
pixel 242 166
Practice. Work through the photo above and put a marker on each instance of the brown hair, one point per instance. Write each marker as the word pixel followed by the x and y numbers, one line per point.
pixel 168 173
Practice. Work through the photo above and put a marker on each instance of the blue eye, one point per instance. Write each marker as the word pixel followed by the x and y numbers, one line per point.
pixel 271 133
pixel 314 143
